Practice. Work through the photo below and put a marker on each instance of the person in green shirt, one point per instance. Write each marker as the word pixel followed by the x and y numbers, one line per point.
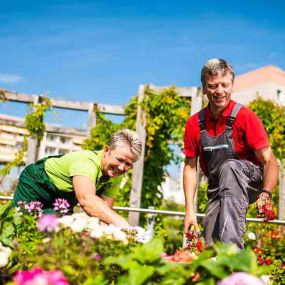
pixel 82 177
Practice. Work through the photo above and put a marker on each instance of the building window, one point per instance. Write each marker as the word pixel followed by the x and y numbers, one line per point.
pixel 51 138
pixel 64 140
pixel 279 95
pixel 50 151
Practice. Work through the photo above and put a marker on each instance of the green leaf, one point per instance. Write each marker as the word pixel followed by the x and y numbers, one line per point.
pixel 215 269
pixel 138 274
pixel 149 252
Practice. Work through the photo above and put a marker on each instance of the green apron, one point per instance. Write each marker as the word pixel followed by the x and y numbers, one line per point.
pixel 35 185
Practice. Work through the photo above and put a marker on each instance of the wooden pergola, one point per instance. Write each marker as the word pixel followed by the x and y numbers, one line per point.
pixel 135 198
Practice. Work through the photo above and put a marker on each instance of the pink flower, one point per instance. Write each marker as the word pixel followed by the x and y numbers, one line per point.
pixel 240 278
pixel 61 205
pixel 37 276
pixel 47 223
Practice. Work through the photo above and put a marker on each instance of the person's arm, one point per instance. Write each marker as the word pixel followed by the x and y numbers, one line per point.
pixel 93 205
pixel 270 177
pixel 110 201
pixel 190 182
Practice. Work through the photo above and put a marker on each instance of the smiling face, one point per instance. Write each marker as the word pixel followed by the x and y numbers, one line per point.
pixel 116 161
pixel 218 89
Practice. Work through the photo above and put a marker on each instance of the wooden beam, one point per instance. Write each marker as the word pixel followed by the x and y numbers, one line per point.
pixel 281 213
pixel 182 91
pixel 137 177
pixel 64 104
pixel 33 143
pixel 91 118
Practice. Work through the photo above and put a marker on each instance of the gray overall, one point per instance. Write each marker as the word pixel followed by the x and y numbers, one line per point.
pixel 233 184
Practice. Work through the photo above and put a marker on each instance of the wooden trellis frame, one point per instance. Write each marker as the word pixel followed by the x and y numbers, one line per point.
pixel 135 197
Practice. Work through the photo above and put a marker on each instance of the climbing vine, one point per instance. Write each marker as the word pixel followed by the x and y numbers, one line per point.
pixel 35 126
pixel 270 113
pixel 166 114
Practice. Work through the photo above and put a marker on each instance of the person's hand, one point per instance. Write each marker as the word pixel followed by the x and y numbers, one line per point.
pixel 191 220
pixel 264 206
pixel 121 223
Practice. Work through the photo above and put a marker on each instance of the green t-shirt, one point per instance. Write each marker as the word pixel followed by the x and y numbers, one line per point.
pixel 61 170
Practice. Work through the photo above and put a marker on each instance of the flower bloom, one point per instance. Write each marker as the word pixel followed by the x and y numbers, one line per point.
pixel 240 278
pixel 269 213
pixel 37 276
pixel 33 207
pixel 4 255
pixel 48 223
pixel 61 205
pixel 251 236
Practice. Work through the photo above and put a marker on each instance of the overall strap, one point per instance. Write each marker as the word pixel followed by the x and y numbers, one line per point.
pixel 233 115
pixel 201 120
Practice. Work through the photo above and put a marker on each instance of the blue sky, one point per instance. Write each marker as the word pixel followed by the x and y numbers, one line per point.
pixel 101 51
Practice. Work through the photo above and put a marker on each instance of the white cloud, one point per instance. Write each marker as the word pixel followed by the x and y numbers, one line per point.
pixel 10 78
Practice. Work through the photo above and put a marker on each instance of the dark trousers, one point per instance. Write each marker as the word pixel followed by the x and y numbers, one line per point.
pixel 240 182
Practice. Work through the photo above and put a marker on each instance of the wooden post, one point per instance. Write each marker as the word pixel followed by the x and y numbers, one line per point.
pixel 281 213
pixel 91 118
pixel 196 105
pixel 32 151
pixel 137 177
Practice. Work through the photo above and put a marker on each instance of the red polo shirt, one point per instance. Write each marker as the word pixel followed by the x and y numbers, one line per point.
pixel 248 133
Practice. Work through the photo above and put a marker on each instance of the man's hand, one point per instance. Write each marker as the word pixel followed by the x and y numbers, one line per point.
pixel 264 205
pixel 190 220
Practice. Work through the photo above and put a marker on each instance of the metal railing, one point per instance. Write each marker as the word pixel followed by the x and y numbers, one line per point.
pixel 152 211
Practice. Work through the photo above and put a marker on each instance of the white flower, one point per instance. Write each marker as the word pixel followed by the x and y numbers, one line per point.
pixel 251 236
pixel 96 233
pixel 266 279
pixel 5 252
pixel 78 224
pixel 66 221
pixel 92 223
pixel 3 259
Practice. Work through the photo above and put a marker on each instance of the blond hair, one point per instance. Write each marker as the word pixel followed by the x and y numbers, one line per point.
pixel 214 66
pixel 128 137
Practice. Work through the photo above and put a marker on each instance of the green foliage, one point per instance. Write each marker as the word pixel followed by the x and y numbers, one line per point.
pixel 101 133
pixel 34 120
pixel 166 115
pixel 273 118
pixel 36 128
pixel 269 245
pixel 18 160
pixel 86 260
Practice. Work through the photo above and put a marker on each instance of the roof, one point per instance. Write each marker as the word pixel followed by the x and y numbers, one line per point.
pixel 259 76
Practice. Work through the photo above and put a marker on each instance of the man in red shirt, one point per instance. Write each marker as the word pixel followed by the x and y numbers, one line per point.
pixel 234 154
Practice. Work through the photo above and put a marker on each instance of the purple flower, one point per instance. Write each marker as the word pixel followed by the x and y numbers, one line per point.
pixel 37 276
pixel 34 207
pixel 47 223
pixel 240 278
pixel 61 205
pixel 96 257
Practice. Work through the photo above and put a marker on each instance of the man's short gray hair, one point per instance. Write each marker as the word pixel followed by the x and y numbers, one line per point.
pixel 214 66
pixel 128 137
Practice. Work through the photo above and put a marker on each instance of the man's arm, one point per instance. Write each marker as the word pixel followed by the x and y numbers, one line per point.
pixel 270 164
pixel 93 205
pixel 270 178
pixel 190 182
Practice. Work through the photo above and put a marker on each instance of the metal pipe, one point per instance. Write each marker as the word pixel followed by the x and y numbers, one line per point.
pixel 172 213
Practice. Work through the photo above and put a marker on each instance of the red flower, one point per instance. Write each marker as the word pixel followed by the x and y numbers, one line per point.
pixel 275 235
pixel 260 260
pixel 269 213
pixel 199 245
pixel 258 250
pixel 283 265
pixel 268 261
pixel 190 235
